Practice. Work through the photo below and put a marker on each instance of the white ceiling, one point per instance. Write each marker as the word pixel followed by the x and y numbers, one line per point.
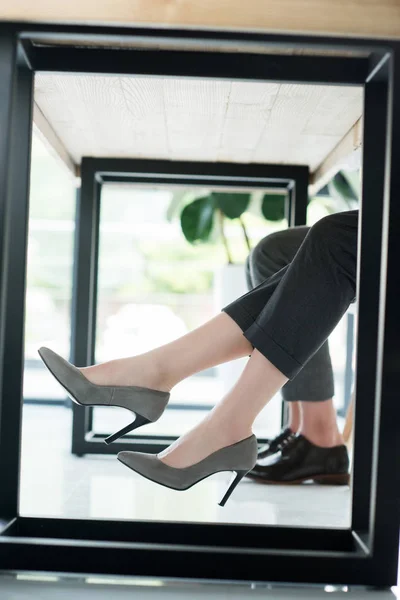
pixel 205 120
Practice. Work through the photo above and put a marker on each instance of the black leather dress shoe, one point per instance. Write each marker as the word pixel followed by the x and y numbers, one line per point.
pixel 274 445
pixel 301 460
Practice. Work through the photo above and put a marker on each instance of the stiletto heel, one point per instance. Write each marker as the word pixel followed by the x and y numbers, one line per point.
pixel 239 458
pixel 138 422
pixel 236 479
pixel 148 405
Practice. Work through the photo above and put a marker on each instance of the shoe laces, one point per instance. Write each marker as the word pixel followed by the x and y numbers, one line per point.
pixel 281 438
pixel 286 442
pixel 279 442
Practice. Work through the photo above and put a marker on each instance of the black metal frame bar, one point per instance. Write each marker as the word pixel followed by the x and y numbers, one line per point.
pixel 95 172
pixel 15 147
pixel 365 553
pixel 221 65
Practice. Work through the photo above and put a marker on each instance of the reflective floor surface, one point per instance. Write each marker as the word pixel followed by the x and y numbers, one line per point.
pixel 55 483
pixel 50 588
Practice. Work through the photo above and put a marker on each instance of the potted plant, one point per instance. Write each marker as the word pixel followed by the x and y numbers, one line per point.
pixel 208 212
pixel 199 216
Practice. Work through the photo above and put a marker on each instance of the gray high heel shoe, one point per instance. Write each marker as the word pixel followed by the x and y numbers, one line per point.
pixel 147 405
pixel 239 458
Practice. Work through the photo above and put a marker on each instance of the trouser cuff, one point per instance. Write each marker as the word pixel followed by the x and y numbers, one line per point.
pixel 263 342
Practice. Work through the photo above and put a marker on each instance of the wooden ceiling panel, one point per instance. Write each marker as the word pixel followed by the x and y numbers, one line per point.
pixel 184 119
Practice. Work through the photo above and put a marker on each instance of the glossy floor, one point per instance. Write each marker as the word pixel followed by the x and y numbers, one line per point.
pixel 44 587
pixel 55 483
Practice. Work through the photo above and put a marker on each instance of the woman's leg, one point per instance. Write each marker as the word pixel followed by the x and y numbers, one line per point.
pixel 217 341
pixel 315 381
pixel 231 420
pixel 310 394
pixel 314 292
pixel 257 269
pixel 286 331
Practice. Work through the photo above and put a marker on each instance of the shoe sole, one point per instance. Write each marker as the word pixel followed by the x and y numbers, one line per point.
pixel 331 479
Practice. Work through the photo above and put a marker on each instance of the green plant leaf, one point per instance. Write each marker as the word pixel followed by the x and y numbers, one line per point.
pixel 273 207
pixel 181 198
pixel 233 205
pixel 197 219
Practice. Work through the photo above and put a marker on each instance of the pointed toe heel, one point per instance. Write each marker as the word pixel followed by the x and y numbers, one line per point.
pixel 146 404
pixel 239 458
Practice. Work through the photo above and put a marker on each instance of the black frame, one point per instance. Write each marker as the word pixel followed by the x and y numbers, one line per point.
pixel 98 171
pixel 366 553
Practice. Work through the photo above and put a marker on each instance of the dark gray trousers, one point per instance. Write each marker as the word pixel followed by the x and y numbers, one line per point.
pixel 305 279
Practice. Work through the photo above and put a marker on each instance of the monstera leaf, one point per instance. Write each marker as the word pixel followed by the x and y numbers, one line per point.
pixel 273 207
pixel 233 205
pixel 197 219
